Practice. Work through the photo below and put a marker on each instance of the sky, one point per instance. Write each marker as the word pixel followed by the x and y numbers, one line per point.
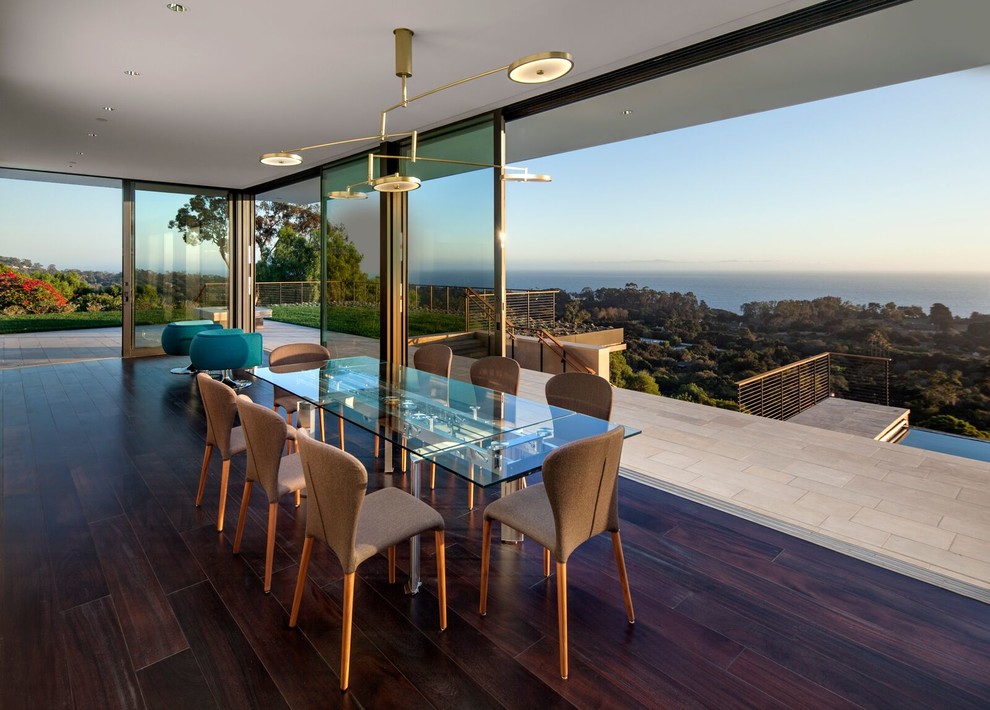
pixel 893 179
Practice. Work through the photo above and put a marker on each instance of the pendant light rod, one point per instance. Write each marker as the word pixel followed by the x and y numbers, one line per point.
pixel 533 69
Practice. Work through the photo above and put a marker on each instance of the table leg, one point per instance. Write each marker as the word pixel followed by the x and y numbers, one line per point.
pixel 412 586
pixel 387 436
pixel 511 535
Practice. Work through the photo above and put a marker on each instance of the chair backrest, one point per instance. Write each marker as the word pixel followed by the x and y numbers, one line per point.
pixel 219 403
pixel 496 373
pixel 294 354
pixel 298 352
pixel 335 483
pixel 434 358
pixel 580 479
pixel 581 392
pixel 264 434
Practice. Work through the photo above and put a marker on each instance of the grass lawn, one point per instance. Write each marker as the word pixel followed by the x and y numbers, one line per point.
pixel 364 320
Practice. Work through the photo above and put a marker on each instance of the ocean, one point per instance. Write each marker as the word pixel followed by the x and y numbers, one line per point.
pixel 962 293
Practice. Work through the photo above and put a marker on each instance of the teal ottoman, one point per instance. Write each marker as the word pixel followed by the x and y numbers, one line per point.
pixel 225 350
pixel 177 337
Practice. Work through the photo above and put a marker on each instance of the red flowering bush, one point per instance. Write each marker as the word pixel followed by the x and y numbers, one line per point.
pixel 33 296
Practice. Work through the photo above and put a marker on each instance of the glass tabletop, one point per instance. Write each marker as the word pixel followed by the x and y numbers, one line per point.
pixel 427 414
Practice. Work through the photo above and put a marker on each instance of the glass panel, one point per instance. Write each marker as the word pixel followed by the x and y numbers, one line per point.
pixel 287 257
pixel 181 252
pixel 61 261
pixel 451 229
pixel 353 245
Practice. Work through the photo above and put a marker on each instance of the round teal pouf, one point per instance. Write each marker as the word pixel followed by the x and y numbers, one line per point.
pixel 226 350
pixel 177 337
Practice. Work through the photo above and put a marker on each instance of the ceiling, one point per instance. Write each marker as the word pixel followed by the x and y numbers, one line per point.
pixel 227 81
pixel 218 88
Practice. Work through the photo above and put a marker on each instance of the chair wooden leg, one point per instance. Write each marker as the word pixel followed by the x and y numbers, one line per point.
pixel 202 474
pixel 620 561
pixel 391 564
pixel 345 635
pixel 546 562
pixel 433 476
pixel 340 431
pixel 224 477
pixel 486 551
pixel 442 578
pixel 562 615
pixel 323 425
pixel 270 549
pixel 300 580
pixel 288 442
pixel 242 516
pixel 470 487
pixel 298 498
pixel 377 444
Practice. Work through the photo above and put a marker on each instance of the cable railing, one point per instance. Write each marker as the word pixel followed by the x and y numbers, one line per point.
pixel 786 391
pixel 487 316
pixel 527 310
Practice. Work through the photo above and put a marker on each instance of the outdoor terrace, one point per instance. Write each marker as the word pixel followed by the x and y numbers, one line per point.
pixel 117 592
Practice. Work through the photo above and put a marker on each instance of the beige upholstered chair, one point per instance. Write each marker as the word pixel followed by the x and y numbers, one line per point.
pixel 577 500
pixel 434 358
pixel 219 403
pixel 581 392
pixel 497 373
pixel 265 432
pixel 298 354
pixel 357 526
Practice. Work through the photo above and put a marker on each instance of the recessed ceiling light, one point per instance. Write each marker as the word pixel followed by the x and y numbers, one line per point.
pixel 131 72
pixel 91 135
pixel 80 153
pixel 108 108
pixel 176 7
pixel 627 112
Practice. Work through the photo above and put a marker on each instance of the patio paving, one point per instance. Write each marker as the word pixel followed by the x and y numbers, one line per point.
pixel 922 513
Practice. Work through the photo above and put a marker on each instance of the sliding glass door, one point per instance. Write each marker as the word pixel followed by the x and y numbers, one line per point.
pixel 176 254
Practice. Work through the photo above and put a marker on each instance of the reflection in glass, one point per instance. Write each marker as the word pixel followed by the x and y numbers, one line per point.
pixel 181 256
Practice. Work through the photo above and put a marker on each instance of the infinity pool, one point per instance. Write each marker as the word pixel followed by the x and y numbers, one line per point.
pixel 948 444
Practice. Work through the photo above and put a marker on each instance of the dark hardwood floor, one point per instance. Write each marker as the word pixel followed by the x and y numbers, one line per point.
pixel 118 592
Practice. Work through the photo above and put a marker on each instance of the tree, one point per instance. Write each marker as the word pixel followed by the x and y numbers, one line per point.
pixel 343 258
pixel 293 258
pixel 204 219
pixel 271 217
pixel 940 316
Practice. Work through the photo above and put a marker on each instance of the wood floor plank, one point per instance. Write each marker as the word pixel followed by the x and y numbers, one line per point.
pixel 78 575
pixel 174 566
pixel 95 493
pixel 32 656
pixel 176 682
pixel 302 676
pixel 99 667
pixel 146 619
pixel 235 676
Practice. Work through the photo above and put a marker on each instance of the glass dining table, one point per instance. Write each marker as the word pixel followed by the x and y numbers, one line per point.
pixel 482 436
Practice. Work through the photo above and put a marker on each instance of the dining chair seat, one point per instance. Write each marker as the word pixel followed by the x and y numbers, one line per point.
pixel 357 525
pixel 577 501
pixel 219 405
pixel 277 475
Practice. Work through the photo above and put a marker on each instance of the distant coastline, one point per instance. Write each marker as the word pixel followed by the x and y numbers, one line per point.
pixel 962 293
